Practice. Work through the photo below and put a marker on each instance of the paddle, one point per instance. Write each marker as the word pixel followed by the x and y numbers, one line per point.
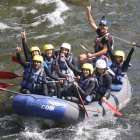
pixel 115 110
pixel 1 88
pixel 7 85
pixel 84 48
pixel 14 59
pixel 8 75
pixel 77 89
pixel 124 40
pixel 111 107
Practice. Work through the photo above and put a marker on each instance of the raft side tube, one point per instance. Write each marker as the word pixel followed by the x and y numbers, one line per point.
pixel 39 106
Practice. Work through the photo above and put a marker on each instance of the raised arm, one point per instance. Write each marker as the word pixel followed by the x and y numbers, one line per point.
pixel 25 47
pixel 23 63
pixel 126 62
pixel 90 19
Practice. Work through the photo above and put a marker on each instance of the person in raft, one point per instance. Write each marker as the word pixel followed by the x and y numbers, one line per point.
pixel 101 50
pixel 34 76
pixel 85 84
pixel 104 77
pixel 65 49
pixel 52 63
pixel 30 53
pixel 55 88
pixel 119 66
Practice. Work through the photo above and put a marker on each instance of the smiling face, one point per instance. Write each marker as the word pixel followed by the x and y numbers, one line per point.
pixel 33 53
pixel 49 52
pixel 103 28
pixel 118 59
pixel 36 64
pixel 86 72
pixel 101 71
pixel 64 50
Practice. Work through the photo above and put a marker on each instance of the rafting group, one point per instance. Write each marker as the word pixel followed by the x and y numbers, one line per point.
pixel 49 73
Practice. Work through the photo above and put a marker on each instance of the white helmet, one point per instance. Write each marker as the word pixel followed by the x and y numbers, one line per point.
pixel 101 64
pixel 67 46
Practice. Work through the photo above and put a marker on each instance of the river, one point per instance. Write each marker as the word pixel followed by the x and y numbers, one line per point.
pixel 55 22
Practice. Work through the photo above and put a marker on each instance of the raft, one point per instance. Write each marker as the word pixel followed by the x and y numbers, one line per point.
pixel 67 111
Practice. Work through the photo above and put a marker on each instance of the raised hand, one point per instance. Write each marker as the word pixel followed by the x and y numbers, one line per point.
pixel 19 48
pixel 23 34
pixel 133 45
pixel 88 8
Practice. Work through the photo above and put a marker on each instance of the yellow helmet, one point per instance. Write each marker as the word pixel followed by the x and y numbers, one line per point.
pixel 38 58
pixel 35 48
pixel 88 66
pixel 120 53
pixel 47 47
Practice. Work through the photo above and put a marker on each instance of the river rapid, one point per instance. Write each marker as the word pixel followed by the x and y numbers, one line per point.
pixel 55 22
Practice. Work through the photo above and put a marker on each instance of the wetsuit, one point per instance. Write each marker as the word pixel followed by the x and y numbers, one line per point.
pixel 104 85
pixel 84 93
pixel 99 44
pixel 44 89
pixel 123 67
pixel 27 53
pixel 55 86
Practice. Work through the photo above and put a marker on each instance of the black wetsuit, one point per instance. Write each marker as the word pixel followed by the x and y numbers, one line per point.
pixel 83 93
pixel 99 44
pixel 126 62
pixel 56 86
pixel 107 78
pixel 44 90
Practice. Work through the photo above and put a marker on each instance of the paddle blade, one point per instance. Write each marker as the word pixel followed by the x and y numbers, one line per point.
pixel 8 75
pixel 14 59
pixel 1 88
pixel 83 105
pixel 115 110
pixel 5 84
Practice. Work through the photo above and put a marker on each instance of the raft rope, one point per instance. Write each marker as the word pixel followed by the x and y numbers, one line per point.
pixel 76 106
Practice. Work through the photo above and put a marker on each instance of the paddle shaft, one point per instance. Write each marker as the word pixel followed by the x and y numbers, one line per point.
pixel 77 90
pixel 124 40
pixel 7 85
pixel 9 90
pixel 84 48
pixel 111 107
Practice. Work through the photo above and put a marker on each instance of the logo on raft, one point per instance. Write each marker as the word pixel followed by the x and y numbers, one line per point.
pixel 47 107
pixel 55 104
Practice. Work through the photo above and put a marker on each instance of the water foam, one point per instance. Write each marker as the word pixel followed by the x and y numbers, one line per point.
pixel 3 26
pixel 54 17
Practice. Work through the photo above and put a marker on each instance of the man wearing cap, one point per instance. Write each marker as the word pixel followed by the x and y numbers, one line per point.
pixel 101 48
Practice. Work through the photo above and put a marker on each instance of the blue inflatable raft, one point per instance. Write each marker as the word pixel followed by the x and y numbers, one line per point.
pixel 67 111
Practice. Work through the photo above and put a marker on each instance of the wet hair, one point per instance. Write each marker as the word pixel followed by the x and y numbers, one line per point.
pixel 56 63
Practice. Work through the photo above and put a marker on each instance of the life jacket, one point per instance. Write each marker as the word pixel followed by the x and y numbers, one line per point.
pixel 101 88
pixel 98 44
pixel 50 64
pixel 32 79
pixel 62 66
pixel 84 83
pixel 118 78
pixel 44 63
